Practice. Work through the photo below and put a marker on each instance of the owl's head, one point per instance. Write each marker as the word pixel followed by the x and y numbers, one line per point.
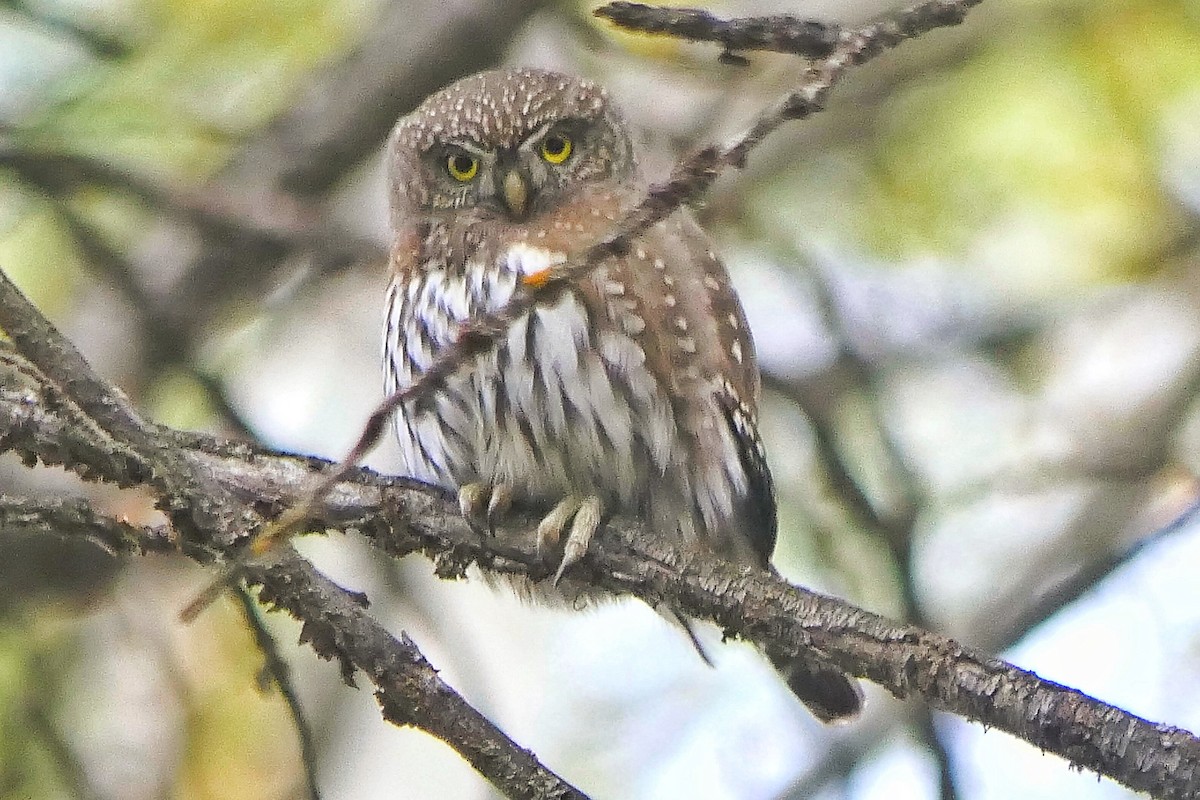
pixel 508 143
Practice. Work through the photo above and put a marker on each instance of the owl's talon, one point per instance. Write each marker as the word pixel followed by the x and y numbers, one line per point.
pixel 587 520
pixel 472 499
pixel 483 505
pixel 549 530
pixel 498 504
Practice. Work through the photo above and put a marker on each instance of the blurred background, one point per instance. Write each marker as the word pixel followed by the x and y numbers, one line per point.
pixel 975 286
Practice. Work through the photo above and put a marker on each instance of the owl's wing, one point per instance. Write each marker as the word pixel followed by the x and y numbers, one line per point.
pixel 727 350
pixel 754 510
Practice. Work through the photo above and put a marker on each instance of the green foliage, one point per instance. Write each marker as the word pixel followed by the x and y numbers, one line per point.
pixel 40 258
pixel 1033 152
pixel 205 74
pixel 1037 158
pixel 29 763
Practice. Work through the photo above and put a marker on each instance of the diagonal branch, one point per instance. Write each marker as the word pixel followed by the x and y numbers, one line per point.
pixel 403 517
pixel 211 515
pixel 192 501
pixel 338 628
pixel 409 690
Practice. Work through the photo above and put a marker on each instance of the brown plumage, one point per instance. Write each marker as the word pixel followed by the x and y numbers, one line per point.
pixel 635 392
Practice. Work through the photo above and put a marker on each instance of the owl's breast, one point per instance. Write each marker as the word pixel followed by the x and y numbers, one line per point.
pixel 565 404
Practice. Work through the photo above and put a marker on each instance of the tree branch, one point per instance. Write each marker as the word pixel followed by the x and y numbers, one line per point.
pixel 409 690
pixel 337 626
pixel 781 33
pixel 403 517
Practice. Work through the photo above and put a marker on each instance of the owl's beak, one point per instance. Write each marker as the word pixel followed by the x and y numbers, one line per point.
pixel 516 192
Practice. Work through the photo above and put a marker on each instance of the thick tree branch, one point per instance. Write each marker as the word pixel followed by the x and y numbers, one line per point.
pixel 403 517
pixel 903 659
pixel 338 628
pixel 408 688
pixel 196 505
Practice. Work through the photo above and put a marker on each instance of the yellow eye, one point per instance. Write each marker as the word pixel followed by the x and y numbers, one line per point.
pixel 462 167
pixel 556 148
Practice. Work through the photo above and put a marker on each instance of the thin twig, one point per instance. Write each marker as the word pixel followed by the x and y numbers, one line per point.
pixel 277 671
pixel 403 517
pixel 781 33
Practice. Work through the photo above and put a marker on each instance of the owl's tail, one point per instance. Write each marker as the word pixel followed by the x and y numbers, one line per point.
pixel 830 694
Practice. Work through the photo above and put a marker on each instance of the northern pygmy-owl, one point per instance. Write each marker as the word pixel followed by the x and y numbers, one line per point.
pixel 635 392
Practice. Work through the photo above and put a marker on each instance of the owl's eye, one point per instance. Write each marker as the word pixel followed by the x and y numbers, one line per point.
pixel 462 167
pixel 556 148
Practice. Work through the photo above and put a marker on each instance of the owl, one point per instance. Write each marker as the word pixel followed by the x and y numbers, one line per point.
pixel 634 392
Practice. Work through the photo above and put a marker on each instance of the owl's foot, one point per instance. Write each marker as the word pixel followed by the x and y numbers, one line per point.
pixel 584 515
pixel 483 505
